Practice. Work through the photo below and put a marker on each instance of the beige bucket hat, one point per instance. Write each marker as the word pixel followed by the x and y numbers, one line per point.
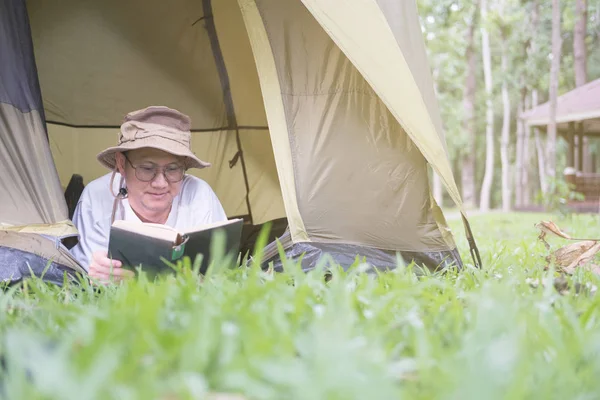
pixel 157 127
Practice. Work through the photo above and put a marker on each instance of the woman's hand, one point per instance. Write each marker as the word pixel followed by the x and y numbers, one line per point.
pixel 105 270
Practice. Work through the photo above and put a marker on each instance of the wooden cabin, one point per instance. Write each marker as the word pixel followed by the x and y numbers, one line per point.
pixel 578 122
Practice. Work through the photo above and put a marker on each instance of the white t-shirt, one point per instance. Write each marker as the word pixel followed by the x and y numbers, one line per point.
pixel 195 205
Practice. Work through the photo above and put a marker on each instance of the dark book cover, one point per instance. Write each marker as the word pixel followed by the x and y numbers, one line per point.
pixel 135 249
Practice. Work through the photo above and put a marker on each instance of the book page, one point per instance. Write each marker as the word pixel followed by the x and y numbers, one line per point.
pixel 158 231
pixel 210 226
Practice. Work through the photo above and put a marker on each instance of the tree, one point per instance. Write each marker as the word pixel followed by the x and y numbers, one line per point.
pixel 540 149
pixel 486 187
pixel 522 156
pixel 472 98
pixel 554 72
pixel 535 46
pixel 580 63
pixel 443 23
pixel 526 28
pixel 505 138
pixel 579 47
pixel 470 127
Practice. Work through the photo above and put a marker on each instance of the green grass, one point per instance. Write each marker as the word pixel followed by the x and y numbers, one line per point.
pixel 471 335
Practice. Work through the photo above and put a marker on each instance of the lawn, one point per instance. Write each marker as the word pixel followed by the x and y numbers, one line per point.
pixel 486 334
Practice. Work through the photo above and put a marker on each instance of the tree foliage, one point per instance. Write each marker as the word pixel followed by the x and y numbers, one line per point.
pixel 444 25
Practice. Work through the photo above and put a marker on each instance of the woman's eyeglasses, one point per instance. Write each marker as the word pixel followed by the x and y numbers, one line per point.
pixel 147 172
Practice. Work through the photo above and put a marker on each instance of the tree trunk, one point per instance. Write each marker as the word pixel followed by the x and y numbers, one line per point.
pixel 580 65
pixel 525 182
pixel 526 101
pixel 505 138
pixel 520 156
pixel 468 165
pixel 596 32
pixel 540 149
pixel 579 47
pixel 486 187
pixel 541 161
pixel 554 70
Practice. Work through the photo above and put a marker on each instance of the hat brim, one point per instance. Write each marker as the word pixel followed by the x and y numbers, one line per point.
pixel 108 156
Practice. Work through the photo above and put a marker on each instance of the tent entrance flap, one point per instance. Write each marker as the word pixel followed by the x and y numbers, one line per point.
pixel 31 192
pixel 343 141
pixel 397 71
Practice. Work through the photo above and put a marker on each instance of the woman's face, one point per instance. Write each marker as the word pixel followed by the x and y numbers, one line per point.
pixel 150 175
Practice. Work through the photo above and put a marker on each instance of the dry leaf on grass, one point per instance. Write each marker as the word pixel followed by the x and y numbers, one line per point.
pixel 571 256
pixel 568 254
pixel 583 258
pixel 550 227
pixel 546 227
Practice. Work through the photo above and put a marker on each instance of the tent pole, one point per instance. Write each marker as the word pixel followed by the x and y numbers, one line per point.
pixel 209 24
pixel 216 129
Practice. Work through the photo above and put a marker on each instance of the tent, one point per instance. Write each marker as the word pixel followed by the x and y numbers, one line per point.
pixel 321 112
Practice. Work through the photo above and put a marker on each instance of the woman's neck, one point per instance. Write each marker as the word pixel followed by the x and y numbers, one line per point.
pixel 154 218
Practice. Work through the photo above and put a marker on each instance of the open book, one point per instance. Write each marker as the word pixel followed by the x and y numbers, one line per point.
pixel 143 244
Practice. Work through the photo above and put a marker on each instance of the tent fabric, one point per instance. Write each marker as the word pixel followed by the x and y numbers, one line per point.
pixel 18 79
pixel 392 59
pixel 311 254
pixel 401 16
pixel 18 265
pixel 383 40
pixel 276 115
pixel 25 254
pixel 581 104
pixel 348 151
pixel 87 91
pixel 73 148
pixel 345 255
pixel 124 55
pixel 30 194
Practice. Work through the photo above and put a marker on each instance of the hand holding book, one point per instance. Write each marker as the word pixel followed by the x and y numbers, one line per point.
pixel 104 270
